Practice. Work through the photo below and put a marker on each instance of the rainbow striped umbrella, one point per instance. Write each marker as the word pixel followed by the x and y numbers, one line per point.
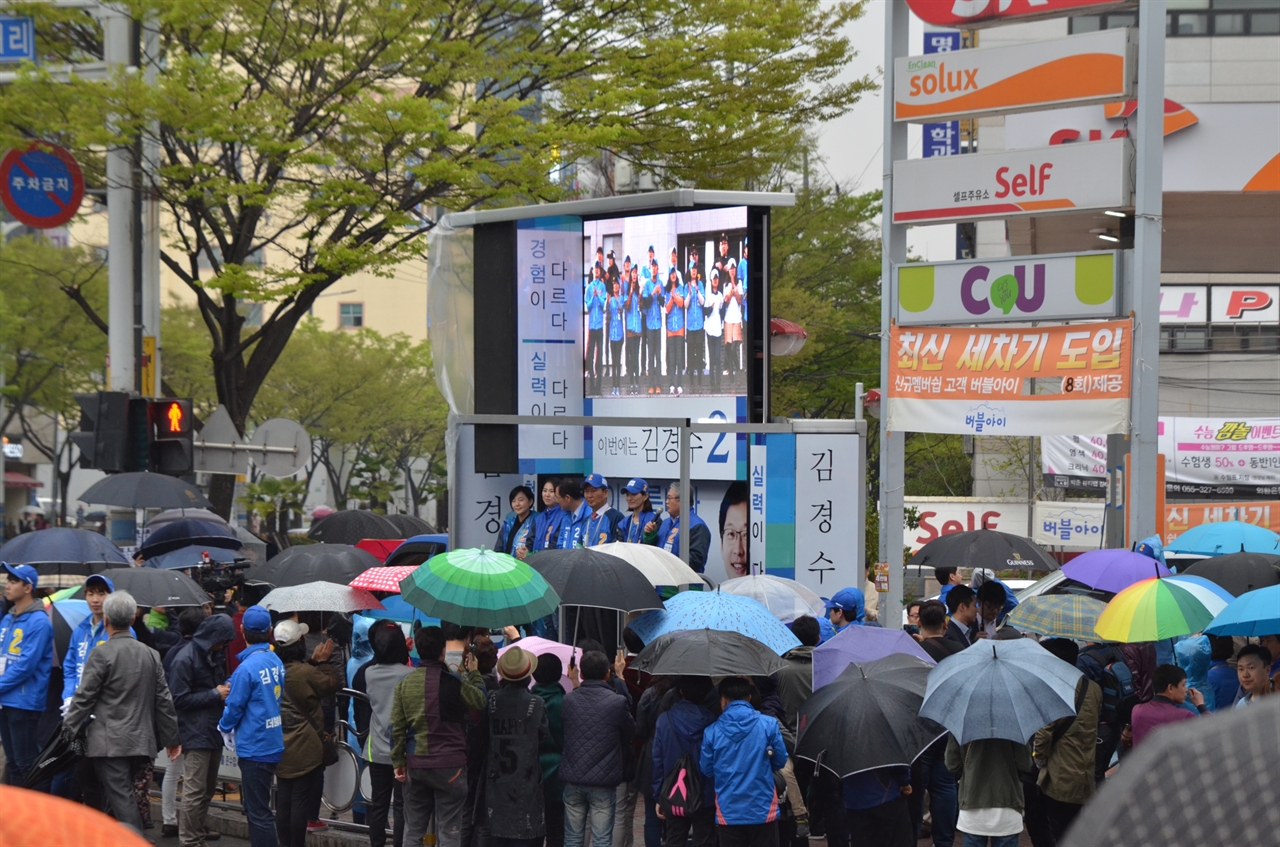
pixel 479 587
pixel 1161 607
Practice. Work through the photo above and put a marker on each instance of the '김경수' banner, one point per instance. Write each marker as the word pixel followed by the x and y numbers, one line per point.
pixel 969 380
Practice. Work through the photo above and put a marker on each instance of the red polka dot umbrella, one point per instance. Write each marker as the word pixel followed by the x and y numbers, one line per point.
pixel 383 579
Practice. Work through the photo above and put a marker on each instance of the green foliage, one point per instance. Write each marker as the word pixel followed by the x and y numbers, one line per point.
pixel 272 500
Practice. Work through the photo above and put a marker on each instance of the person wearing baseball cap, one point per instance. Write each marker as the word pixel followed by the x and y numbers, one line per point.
pixel 846 607
pixel 26 661
pixel 641 507
pixel 517 723
pixel 250 723
pixel 604 522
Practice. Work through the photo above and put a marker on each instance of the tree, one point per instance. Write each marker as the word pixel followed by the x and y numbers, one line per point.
pixel 328 133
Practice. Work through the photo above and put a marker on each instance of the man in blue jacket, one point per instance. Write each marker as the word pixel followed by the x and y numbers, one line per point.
pixel 250 724
pixel 603 522
pixel 679 731
pixel 89 633
pixel 847 607
pixel 667 535
pixel 26 660
pixel 576 513
pixel 198 683
pixel 740 752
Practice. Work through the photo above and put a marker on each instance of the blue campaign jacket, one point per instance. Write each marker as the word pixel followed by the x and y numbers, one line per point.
pixel 604 530
pixel 680 730
pixel 615 318
pixel 546 528
pixel 740 752
pixel 508 544
pixel 594 303
pixel 573 527
pixel 742 281
pixel 652 291
pixel 253 706
pixel 634 532
pixel 674 305
pixel 85 637
pixel 697 298
pixel 26 651
pixel 699 540
pixel 635 318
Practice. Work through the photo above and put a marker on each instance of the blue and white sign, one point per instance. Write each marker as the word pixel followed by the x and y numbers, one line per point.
pixel 941 139
pixel 41 186
pixel 17 40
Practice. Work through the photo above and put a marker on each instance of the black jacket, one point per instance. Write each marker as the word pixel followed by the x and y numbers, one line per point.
pixel 958 633
pixel 597 728
pixel 516 723
pixel 193 677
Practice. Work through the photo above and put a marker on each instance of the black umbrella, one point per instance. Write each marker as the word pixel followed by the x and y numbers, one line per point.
pixel 1236 572
pixel 352 526
pixel 152 587
pixel 409 525
pixel 415 551
pixel 707 652
pixel 62 546
pixel 171 515
pixel 983 548
pixel 583 577
pixel 868 717
pixel 63 750
pixel 185 533
pixel 145 491
pixel 338 563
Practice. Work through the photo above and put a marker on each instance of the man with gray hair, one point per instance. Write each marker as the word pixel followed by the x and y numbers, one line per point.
pixel 667 534
pixel 124 689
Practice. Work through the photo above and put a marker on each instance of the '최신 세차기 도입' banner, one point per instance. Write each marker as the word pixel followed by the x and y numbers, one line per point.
pixel 976 381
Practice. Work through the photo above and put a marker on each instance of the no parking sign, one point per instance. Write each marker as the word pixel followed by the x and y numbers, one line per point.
pixel 41 186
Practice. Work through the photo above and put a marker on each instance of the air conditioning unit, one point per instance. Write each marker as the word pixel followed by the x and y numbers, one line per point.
pixel 646 181
pixel 624 176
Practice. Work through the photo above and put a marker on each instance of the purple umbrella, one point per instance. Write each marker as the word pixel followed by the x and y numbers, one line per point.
pixel 861 644
pixel 1112 570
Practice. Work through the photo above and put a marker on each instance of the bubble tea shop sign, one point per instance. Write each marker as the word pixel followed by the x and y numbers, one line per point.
pixel 1070 286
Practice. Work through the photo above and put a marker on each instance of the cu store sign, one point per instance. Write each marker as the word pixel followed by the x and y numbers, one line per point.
pixel 978 13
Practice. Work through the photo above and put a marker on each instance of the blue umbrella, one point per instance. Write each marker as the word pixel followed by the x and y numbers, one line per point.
pixel 716 610
pixel 63 546
pixel 396 609
pixel 191 556
pixel 859 645
pixel 1222 537
pixel 1254 613
pixel 1000 689
pixel 186 532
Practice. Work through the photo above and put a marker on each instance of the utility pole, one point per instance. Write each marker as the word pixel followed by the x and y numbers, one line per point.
pixel 121 376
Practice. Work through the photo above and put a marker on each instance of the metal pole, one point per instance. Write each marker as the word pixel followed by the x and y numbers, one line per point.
pixel 117 42
pixel 858 396
pixel 686 497
pixel 151 210
pixel 893 251
pixel 1149 210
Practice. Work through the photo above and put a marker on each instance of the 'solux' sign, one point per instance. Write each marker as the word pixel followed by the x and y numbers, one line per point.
pixel 1095 67
pixel 977 13
pixel 1070 286
pixel 1010 183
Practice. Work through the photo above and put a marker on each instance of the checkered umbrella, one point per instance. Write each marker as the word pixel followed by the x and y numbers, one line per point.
pixel 383 579
pixel 1059 615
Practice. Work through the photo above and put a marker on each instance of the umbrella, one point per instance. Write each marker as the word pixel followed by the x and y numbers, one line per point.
pixel 63 750
pixel 151 587
pixel 868 717
pixel 62 546
pixel 337 563
pixel 171 515
pixel 541 646
pixel 416 550
pixel 858 645
pixel 394 608
pixel 584 577
pixel 715 610
pixel 319 597
pixel 410 525
pixel 983 548
pixel 145 491
pixel 1189 784
pixel 658 566
pixel 1000 689
pixel 1059 615
pixel 380 548
pixel 478 587
pixel 785 599
pixel 251 546
pixel 383 578
pixel 707 652
pixel 66 616
pixel 193 556
pixel 352 525
pixel 1239 573
pixel 175 535
pixel 1112 570
pixel 1221 537
pixel 1159 608
pixel 1256 613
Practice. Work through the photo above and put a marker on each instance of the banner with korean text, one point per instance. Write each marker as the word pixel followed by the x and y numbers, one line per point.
pixel 975 381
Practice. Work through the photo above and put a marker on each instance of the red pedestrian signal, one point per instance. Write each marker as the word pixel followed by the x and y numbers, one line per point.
pixel 171 417
pixel 172 448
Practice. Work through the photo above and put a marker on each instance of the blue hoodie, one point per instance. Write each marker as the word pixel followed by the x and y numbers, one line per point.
pixel 1193 655
pixel 252 709
pixel 740 752
pixel 680 730
pixel 26 658
pixel 86 636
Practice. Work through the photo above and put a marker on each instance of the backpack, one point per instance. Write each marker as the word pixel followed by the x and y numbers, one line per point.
pixel 681 792
pixel 1116 681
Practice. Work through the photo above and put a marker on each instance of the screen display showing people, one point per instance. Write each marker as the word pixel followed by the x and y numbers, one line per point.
pixel 665 304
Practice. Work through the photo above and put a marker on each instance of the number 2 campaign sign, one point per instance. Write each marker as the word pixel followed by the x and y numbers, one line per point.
pixel 41 186
pixel 976 381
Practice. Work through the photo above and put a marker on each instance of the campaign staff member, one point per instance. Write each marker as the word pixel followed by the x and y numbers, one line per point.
pixel 651 303
pixel 667 535
pixel 713 310
pixel 635 329
pixel 89 633
pixel 695 331
pixel 546 527
pixel 594 302
pixel 576 512
pixel 674 298
pixel 515 536
pixel 617 306
pixel 637 493
pixel 250 723
pixel 603 523
pixel 26 661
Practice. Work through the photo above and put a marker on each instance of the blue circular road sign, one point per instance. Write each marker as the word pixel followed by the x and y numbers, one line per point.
pixel 41 186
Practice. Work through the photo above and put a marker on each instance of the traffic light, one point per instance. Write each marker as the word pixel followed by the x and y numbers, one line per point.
pixel 171 437
pixel 104 430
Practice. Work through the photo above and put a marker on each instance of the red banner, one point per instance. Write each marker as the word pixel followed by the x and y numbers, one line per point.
pixel 971 13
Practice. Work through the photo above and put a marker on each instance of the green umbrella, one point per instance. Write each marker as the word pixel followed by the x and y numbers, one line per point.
pixel 479 587
pixel 1059 615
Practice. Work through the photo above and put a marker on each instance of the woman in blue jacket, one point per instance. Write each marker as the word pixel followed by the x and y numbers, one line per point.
pixel 514 538
pixel 635 330
pixel 617 304
pixel 695 330
pixel 651 301
pixel 673 304
pixel 546 526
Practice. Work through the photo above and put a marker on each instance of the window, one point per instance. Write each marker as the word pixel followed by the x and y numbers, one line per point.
pixel 351 315
pixel 1195 18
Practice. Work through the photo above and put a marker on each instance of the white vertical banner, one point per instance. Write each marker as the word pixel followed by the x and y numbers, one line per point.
pixel 757 485
pixel 826 512
pixel 481 498
pixel 549 321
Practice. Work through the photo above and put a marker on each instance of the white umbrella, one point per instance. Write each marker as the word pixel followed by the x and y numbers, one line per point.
pixel 320 597
pixel 785 599
pixel 657 565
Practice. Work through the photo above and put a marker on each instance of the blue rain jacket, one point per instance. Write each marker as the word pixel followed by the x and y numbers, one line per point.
pixel 26 658
pixel 546 528
pixel 740 752
pixel 573 527
pixel 86 636
pixel 252 709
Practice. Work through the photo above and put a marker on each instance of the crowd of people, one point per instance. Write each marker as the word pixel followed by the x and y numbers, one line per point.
pixel 694 313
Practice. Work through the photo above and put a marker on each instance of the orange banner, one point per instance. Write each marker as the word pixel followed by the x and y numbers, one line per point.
pixel 1180 517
